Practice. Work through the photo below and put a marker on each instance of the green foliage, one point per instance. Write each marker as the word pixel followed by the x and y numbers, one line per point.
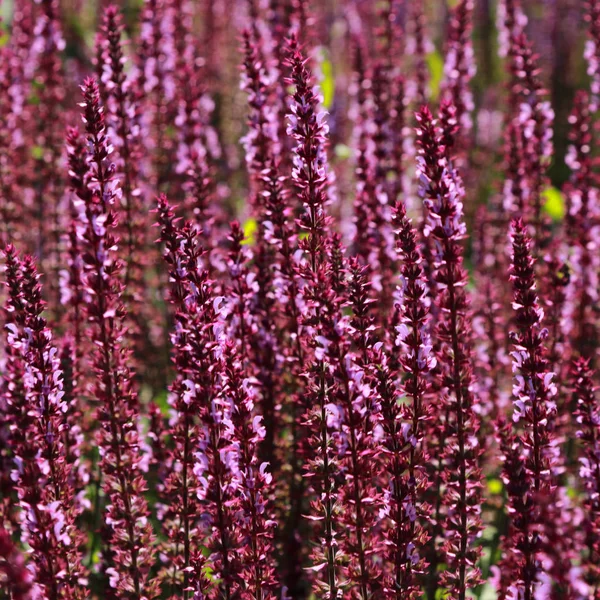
pixel 554 203
pixel 249 228
pixel 37 152
pixel 495 487
pixel 435 64
pixel 342 151
pixel 327 83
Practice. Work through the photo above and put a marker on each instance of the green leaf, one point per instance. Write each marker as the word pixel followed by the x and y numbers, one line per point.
pixel 494 486
pixel 554 203
pixel 37 152
pixel 250 226
pixel 489 533
pixel 487 593
pixel 572 492
pixel 342 151
pixel 94 558
pixel 327 83
pixel 171 131
pixel 435 64
pixel 163 403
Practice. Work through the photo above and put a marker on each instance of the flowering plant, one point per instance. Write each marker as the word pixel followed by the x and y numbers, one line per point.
pixel 299 301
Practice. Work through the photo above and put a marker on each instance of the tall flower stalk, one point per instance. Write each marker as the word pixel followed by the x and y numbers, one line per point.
pixel 122 117
pixel 254 482
pixel 405 425
pixel 308 128
pixel 179 492
pixel 442 193
pixel 582 228
pixel 49 126
pixel 203 426
pixel 130 534
pixel 355 410
pixel 262 147
pixel 36 405
pixel 459 66
pixel 528 450
pixel 587 415
pixel 531 115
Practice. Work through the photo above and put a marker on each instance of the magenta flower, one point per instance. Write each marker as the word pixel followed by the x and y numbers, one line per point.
pixel 528 449
pixel 587 417
pixel 16 577
pixel 442 192
pixel 36 409
pixel 130 536
pixel 340 372
pixel 404 426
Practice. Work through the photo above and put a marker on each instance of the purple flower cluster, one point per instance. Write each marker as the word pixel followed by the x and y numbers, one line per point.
pixel 359 359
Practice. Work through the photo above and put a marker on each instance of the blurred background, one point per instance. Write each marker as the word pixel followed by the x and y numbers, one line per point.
pixel 556 28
